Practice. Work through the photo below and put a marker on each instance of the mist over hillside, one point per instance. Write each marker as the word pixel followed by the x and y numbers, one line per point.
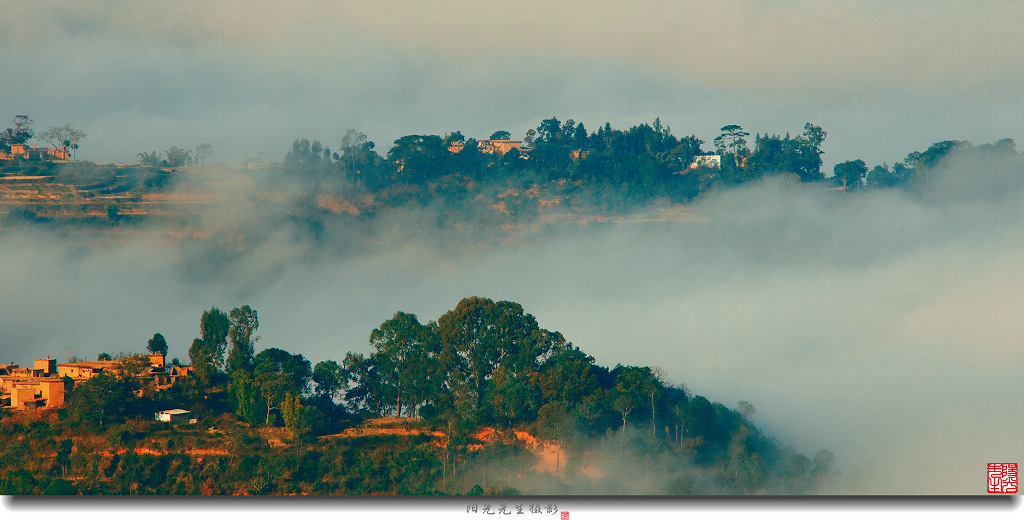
pixel 880 324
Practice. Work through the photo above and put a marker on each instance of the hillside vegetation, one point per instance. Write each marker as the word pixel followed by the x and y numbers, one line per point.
pixel 480 401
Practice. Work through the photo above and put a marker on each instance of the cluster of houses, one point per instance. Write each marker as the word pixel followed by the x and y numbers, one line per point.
pixel 43 384
pixel 20 151
pixel 494 146
pixel 503 146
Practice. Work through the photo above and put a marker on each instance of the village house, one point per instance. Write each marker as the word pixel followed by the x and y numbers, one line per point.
pixel 32 392
pixel 502 146
pixel 493 146
pixel 178 371
pixel 20 151
pixel 84 370
pixel 27 388
pixel 153 366
pixel 43 384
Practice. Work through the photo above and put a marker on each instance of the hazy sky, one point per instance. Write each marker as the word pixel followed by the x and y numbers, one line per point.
pixel 882 78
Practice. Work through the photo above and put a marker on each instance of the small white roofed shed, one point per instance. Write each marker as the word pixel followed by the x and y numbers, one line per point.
pixel 176 415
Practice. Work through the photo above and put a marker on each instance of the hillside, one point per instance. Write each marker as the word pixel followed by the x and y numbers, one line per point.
pixel 482 400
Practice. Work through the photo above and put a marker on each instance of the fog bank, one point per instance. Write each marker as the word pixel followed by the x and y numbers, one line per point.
pixel 881 325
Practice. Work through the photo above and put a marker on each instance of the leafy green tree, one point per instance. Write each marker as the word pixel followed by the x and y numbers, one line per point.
pixel 850 173
pixel 418 158
pixel 935 153
pixel 63 455
pixel 207 351
pixel 20 133
pixel 567 376
pixel 294 366
pixel 246 394
pixel 157 344
pixel 244 322
pixel 103 357
pixel 330 379
pixel 273 386
pixel 489 334
pixel 699 418
pixel 363 384
pixel 101 400
pixel 500 135
pixel 630 387
pixel 512 399
pixel 405 358
pixel 359 162
pixel 278 373
pixel 881 176
pixel 292 413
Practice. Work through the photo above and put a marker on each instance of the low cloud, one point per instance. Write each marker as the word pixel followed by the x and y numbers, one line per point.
pixel 880 325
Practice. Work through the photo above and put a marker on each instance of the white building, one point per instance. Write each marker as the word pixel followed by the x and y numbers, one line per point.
pixel 176 415
pixel 707 161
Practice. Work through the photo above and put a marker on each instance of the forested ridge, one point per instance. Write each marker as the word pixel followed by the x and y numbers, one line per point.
pixel 271 422
pixel 558 172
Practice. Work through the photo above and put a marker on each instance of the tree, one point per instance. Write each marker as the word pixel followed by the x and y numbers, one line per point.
pixel 157 345
pixel 745 409
pixel 567 376
pixel 744 463
pixel 292 412
pixel 207 351
pixel 244 322
pixel 822 468
pixel 178 157
pixel 63 455
pixel 628 392
pixel 850 173
pixel 881 176
pixel 418 158
pixel 795 479
pixel 295 369
pixel 732 140
pixel 363 384
pixel 203 151
pixel 245 394
pixel 151 159
pixel 20 133
pixel 405 357
pixel 699 418
pixel 810 169
pixel 489 334
pixel 63 137
pixel 652 387
pixel 101 400
pixel 330 379
pixel 273 386
pixel 103 357
pixel 501 135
